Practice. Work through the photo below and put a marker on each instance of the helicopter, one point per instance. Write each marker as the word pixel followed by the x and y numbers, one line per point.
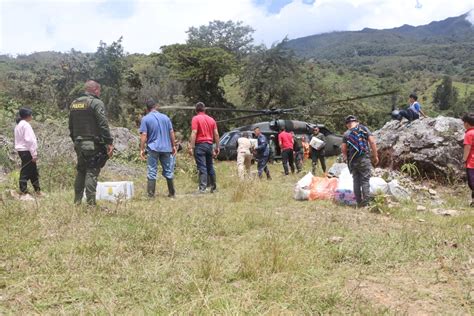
pixel 228 141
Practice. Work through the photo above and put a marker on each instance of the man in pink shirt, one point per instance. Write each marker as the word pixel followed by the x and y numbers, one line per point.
pixel 285 140
pixel 27 147
pixel 204 134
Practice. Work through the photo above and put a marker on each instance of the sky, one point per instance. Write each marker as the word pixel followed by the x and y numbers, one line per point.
pixel 28 26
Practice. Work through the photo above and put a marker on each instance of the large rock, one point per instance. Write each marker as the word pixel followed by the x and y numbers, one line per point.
pixel 434 145
pixel 54 141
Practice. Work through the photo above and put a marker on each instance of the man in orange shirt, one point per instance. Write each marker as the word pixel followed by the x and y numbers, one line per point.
pixel 285 140
pixel 203 135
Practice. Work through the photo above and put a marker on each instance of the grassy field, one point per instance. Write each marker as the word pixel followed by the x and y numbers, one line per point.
pixel 250 248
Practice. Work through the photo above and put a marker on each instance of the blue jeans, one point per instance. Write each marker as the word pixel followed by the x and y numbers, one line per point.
pixel 203 157
pixel 165 161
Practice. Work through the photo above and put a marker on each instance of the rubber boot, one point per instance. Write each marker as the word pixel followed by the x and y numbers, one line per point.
pixel 269 177
pixel 171 191
pixel 202 183
pixel 213 183
pixel 150 188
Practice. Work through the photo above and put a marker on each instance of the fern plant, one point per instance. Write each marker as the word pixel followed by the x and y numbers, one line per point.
pixel 410 169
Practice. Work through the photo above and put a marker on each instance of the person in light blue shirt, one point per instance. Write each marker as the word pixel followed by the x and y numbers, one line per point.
pixel 157 143
pixel 413 111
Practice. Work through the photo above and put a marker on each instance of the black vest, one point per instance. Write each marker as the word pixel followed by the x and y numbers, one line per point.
pixel 82 116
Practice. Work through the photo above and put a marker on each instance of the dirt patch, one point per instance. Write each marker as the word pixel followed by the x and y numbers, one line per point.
pixel 418 291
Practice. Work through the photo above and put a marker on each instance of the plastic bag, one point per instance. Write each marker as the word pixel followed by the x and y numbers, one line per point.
pixel 301 191
pixel 336 169
pixel 378 184
pixel 345 180
pixel 345 197
pixel 323 188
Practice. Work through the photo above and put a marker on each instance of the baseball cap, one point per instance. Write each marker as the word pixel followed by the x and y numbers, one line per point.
pixel 351 118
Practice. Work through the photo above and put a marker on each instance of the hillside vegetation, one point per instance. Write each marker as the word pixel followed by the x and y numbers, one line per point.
pixel 220 65
pixel 439 47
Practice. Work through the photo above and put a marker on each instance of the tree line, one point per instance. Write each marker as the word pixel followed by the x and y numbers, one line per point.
pixel 220 65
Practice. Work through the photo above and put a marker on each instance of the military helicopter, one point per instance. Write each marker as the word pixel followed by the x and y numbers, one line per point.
pixel 228 141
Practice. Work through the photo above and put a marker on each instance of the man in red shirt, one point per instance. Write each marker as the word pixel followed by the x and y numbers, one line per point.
pixel 204 133
pixel 285 140
pixel 468 157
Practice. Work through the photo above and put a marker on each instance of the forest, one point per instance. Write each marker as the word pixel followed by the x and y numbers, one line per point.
pixel 220 65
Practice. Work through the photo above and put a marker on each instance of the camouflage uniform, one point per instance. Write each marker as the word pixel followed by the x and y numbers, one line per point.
pixel 299 152
pixel 89 130
pixel 360 165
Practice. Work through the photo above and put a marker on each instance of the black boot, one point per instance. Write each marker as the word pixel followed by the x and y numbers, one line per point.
pixel 171 191
pixel 202 183
pixel 269 177
pixel 213 183
pixel 150 188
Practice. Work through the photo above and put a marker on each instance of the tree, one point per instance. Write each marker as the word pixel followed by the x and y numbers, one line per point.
pixel 445 95
pixel 272 77
pixel 109 72
pixel 200 69
pixel 234 37
pixel 110 64
pixel 75 68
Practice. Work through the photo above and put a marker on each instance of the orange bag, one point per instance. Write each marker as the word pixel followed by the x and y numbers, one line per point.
pixel 323 188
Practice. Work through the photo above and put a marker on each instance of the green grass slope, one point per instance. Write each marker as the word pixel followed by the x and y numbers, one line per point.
pixel 249 249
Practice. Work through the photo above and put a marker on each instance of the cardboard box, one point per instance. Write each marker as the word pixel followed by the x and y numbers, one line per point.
pixel 112 191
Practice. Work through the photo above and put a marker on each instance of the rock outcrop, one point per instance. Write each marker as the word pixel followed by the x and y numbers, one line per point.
pixel 434 145
pixel 54 142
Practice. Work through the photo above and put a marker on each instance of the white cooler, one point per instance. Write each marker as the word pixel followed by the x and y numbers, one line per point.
pixel 113 191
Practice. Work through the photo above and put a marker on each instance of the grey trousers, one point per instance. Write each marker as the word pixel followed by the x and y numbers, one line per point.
pixel 361 169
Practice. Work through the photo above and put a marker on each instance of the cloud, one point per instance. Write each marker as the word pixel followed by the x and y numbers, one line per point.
pixel 470 17
pixel 28 25
pixel 117 9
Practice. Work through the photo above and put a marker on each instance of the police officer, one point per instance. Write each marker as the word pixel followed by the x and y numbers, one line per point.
pixel 262 153
pixel 358 147
pixel 89 130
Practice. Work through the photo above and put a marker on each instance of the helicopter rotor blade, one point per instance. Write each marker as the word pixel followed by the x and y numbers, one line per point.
pixel 242 117
pixel 348 99
pixel 192 108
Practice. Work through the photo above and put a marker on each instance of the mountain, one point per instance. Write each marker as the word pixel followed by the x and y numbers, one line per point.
pixel 443 46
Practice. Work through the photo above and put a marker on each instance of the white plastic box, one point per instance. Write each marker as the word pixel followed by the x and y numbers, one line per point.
pixel 113 191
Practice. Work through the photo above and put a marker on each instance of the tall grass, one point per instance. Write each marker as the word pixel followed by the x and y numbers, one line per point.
pixel 248 249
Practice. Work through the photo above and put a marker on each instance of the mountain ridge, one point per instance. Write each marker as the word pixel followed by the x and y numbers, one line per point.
pixel 445 46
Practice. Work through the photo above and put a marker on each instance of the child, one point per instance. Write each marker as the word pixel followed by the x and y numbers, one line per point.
pixel 468 157
pixel 26 145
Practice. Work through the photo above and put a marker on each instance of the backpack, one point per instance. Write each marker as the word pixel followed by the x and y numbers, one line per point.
pixel 357 141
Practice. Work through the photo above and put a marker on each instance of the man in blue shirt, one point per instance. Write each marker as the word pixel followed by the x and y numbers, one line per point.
pixel 158 141
pixel 263 153
pixel 413 111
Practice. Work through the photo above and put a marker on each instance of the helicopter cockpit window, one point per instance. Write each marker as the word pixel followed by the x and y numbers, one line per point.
pixel 224 140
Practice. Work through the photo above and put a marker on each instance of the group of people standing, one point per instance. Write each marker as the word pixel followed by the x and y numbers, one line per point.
pixel 93 144
pixel 248 149
pixel 294 149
